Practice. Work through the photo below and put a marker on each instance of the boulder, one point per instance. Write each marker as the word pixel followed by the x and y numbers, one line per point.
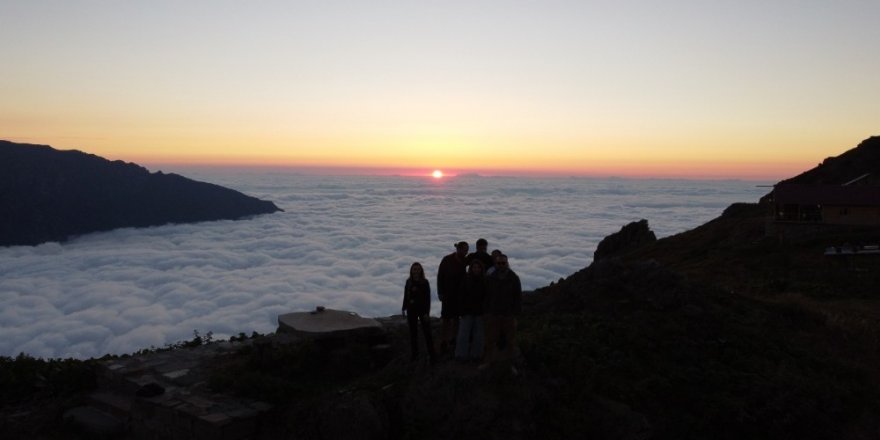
pixel 631 236
pixel 326 322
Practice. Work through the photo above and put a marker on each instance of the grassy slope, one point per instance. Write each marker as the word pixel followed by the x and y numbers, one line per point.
pixel 690 337
pixel 755 339
pixel 733 252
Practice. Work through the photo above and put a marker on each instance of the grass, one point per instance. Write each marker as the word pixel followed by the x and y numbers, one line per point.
pixel 25 378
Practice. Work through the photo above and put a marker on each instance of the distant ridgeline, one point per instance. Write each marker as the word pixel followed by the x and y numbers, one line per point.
pixel 861 161
pixel 50 195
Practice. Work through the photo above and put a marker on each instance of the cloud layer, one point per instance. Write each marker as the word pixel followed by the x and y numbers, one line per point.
pixel 343 242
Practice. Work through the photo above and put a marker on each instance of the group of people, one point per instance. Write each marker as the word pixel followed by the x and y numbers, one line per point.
pixel 481 298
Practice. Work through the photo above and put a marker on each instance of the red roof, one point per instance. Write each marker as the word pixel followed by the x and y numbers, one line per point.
pixel 855 195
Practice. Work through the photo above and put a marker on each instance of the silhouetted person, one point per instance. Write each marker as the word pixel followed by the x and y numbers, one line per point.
pixel 495 254
pixel 416 307
pixel 503 304
pixel 449 278
pixel 469 345
pixel 482 255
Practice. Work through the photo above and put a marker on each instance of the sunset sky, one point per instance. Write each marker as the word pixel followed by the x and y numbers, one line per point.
pixel 718 89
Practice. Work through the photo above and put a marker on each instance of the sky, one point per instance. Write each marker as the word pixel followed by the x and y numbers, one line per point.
pixel 702 89
pixel 343 242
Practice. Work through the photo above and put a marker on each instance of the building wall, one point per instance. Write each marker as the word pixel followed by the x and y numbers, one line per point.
pixel 790 212
pixel 795 232
pixel 851 215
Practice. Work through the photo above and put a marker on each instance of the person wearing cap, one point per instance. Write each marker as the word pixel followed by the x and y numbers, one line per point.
pixel 482 255
pixel 503 304
pixel 450 275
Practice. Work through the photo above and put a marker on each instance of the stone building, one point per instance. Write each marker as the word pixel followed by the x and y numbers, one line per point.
pixel 852 204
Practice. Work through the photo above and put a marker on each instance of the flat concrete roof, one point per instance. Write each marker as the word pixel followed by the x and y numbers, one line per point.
pixel 832 195
pixel 327 321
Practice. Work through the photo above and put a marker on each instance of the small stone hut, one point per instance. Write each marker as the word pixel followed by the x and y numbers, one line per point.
pixel 855 205
pixel 337 330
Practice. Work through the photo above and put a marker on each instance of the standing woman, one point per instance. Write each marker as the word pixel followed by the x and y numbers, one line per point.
pixel 416 305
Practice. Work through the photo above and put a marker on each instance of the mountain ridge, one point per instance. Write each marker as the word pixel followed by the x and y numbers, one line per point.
pixel 51 195
pixel 853 163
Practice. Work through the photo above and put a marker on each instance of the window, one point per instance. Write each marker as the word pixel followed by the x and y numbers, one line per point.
pixel 811 213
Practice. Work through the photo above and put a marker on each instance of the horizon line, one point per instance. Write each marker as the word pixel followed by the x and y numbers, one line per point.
pixel 425 172
pixel 670 170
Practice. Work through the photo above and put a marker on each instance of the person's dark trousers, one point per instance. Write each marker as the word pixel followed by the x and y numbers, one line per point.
pixel 413 322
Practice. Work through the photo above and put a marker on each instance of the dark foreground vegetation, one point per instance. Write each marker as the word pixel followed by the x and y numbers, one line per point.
pixel 620 350
pixel 34 393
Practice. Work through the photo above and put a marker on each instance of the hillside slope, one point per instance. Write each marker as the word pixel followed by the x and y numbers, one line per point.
pixel 734 252
pixel 863 159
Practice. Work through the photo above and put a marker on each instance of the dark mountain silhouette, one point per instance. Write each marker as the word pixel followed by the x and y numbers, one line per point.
pixel 861 160
pixel 51 195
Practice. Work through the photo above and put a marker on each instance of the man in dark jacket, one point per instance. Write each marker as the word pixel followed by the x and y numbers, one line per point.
pixel 503 304
pixel 469 344
pixel 481 254
pixel 449 280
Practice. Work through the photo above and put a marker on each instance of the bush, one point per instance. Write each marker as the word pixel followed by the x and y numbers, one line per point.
pixel 25 378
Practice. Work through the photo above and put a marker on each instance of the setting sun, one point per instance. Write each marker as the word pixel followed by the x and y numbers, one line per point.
pixel 415 95
pixel 437 174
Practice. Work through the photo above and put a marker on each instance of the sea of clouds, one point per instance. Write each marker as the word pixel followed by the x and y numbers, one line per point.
pixel 344 242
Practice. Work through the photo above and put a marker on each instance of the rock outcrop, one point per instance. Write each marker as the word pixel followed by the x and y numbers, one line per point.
pixel 631 236
pixel 51 195
pixel 323 321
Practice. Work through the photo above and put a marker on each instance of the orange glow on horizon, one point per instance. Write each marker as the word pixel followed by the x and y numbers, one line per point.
pixel 523 159
pixel 696 171
pixel 389 88
pixel 635 158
